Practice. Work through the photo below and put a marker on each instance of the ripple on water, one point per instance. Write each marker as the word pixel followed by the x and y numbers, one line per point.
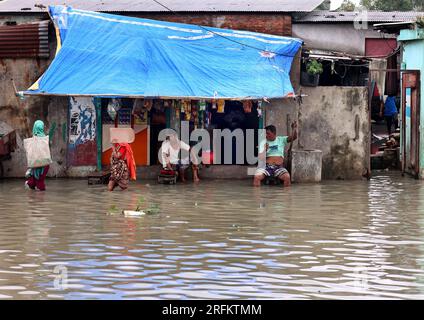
pixel 338 240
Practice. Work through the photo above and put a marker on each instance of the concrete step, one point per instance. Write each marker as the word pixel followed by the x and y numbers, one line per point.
pixel 99 177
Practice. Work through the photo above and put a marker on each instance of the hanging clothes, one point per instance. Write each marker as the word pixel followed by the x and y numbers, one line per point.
pixel 148 104
pixel 221 106
pixel 247 106
pixel 187 109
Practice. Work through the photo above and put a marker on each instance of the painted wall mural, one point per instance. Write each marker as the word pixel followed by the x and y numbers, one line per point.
pixel 82 148
pixel 82 120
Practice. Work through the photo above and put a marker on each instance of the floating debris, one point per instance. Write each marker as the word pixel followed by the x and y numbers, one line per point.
pixel 140 210
pixel 130 213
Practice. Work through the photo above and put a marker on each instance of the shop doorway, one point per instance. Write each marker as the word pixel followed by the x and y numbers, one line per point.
pixel 158 122
pixel 385 113
pixel 124 113
pixel 233 117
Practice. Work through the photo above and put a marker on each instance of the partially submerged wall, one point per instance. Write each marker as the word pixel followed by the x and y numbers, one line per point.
pixel 336 121
pixel 332 119
pixel 82 147
pixel 19 115
pixel 281 113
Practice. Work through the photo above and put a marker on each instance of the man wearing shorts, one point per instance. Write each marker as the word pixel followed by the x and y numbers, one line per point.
pixel 273 151
pixel 171 159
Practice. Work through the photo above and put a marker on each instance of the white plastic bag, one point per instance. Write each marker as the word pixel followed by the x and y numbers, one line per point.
pixel 37 152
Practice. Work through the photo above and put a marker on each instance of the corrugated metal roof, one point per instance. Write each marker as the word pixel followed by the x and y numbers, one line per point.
pixel 25 40
pixel 346 16
pixel 175 5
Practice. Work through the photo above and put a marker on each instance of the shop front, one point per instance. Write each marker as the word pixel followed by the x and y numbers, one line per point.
pixel 148 117
pixel 124 72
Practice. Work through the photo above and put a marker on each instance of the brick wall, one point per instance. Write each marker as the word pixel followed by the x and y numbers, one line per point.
pixel 272 23
pixel 275 23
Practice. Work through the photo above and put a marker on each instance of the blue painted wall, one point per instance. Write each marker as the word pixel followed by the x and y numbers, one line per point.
pixel 413 59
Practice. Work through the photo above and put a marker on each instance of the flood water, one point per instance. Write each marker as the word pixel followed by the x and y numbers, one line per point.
pixel 220 240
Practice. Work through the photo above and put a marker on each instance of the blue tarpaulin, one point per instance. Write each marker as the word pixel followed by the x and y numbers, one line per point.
pixel 110 55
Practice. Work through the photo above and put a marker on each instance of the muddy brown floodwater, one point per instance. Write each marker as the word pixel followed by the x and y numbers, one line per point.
pixel 221 240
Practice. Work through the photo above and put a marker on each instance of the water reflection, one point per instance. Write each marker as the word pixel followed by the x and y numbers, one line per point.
pixel 222 240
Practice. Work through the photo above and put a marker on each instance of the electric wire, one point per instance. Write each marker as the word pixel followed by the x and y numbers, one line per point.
pixel 220 35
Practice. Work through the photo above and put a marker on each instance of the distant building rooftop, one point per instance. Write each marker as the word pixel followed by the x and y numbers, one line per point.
pixel 348 16
pixel 14 6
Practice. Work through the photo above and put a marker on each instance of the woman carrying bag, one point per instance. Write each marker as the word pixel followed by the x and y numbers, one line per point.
pixel 36 175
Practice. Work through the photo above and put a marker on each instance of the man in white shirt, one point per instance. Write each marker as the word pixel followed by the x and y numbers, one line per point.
pixel 171 158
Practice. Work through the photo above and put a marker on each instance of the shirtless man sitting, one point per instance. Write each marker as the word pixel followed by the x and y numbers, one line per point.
pixel 273 151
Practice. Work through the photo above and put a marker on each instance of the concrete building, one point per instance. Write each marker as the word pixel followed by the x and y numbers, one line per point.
pixel 349 32
pixel 410 35
pixel 343 136
pixel 412 86
pixel 356 59
pixel 20 70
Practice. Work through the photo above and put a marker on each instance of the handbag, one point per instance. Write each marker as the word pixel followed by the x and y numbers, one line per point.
pixel 37 152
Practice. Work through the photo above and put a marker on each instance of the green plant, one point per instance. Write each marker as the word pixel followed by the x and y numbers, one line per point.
pixel 113 209
pixel 152 209
pixel 140 203
pixel 141 206
pixel 314 67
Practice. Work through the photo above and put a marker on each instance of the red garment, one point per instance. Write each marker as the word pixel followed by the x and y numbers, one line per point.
pixel 40 182
pixel 127 154
pixel 167 172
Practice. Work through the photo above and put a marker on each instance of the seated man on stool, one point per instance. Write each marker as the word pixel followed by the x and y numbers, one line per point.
pixel 171 148
pixel 272 150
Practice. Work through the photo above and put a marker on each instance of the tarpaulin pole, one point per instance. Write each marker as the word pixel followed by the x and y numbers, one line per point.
pixel 262 120
pixel 98 105
pixel 168 117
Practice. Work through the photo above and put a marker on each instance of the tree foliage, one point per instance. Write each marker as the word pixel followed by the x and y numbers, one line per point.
pixel 347 5
pixel 325 5
pixel 393 5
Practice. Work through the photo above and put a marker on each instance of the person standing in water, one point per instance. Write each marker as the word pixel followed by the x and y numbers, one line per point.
pixel 390 113
pixel 122 166
pixel 36 176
